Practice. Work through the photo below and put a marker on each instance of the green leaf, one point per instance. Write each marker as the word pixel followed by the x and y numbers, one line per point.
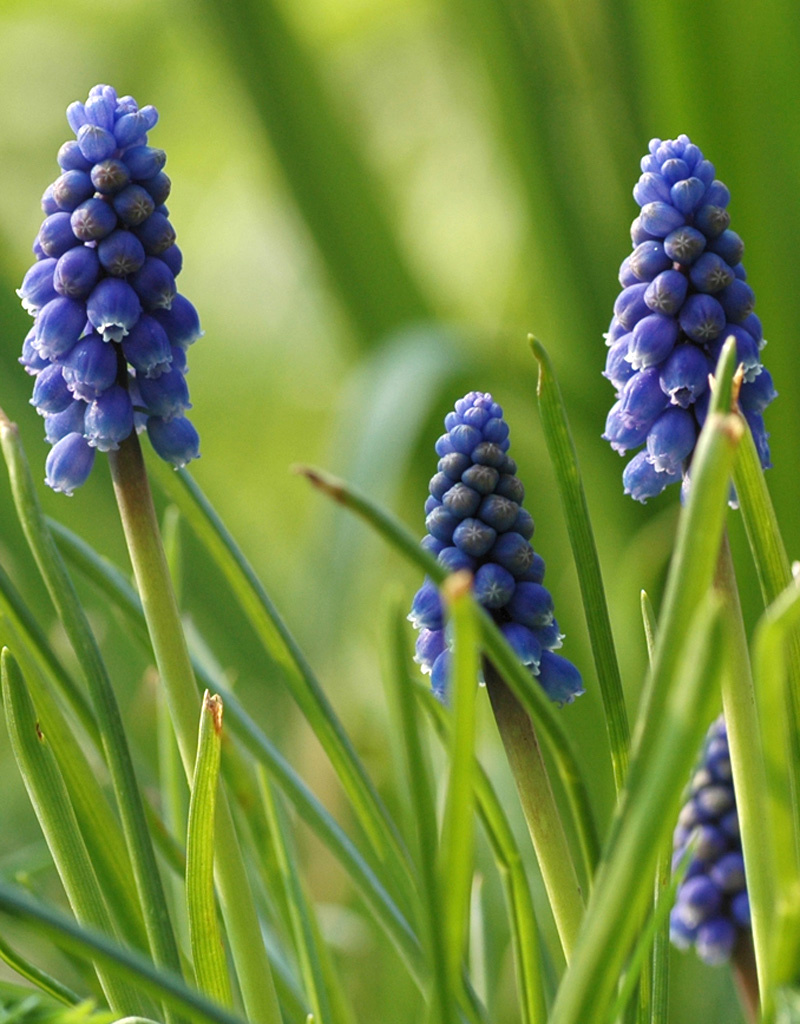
pixel 299 677
pixel 115 745
pixel 530 695
pixel 36 976
pixel 524 934
pixel 121 595
pixel 53 808
pixel 332 183
pixel 132 966
pixel 686 666
pixel 208 952
pixel 584 550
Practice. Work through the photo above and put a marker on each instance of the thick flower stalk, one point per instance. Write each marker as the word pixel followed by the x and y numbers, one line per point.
pixel 712 908
pixel 108 343
pixel 475 521
pixel 684 293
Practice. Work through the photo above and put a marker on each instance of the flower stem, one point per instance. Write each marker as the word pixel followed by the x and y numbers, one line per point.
pixel 539 808
pixel 150 568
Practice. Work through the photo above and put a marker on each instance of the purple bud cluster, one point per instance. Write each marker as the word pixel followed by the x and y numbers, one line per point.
pixel 712 907
pixel 684 293
pixel 107 346
pixel 475 521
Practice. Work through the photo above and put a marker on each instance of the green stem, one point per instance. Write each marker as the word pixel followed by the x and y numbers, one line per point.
pixel 749 776
pixel 146 551
pixel 539 808
pixel 109 720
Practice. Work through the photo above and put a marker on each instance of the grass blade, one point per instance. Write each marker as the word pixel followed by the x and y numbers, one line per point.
pixel 299 677
pixel 584 550
pixel 111 582
pixel 524 934
pixel 208 951
pixel 53 808
pixel 530 696
pixel 115 745
pixel 36 976
pixel 89 944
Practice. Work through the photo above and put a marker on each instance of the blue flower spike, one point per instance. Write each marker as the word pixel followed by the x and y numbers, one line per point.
pixel 683 295
pixel 110 328
pixel 475 521
pixel 712 910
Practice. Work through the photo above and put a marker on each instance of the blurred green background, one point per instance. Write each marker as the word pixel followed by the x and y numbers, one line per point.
pixel 377 200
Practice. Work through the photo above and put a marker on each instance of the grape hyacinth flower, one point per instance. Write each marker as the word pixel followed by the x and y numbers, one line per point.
pixel 712 908
pixel 684 293
pixel 110 329
pixel 475 521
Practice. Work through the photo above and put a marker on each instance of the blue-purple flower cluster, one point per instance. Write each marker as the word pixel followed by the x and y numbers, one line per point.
pixel 684 293
pixel 712 907
pixel 475 521
pixel 110 332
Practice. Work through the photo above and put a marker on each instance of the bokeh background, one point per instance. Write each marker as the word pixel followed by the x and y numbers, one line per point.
pixel 377 200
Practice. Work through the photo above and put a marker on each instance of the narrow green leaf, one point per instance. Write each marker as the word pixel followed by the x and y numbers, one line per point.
pixel 208 951
pixel 299 677
pixel 98 823
pixel 623 887
pixel 772 646
pixel 36 976
pixel 456 856
pixel 53 808
pixel 725 382
pixel 685 668
pixel 423 809
pixel 132 966
pixel 137 513
pixel 326 171
pixel 524 935
pixel 121 595
pixel 655 982
pixel 115 745
pixel 584 550
pixel 530 695
pixel 315 971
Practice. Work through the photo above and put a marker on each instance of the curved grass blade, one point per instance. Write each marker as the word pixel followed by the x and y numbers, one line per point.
pixel 36 976
pixel 668 733
pixel 133 967
pixel 115 745
pixel 331 181
pixel 584 550
pixel 303 684
pixel 524 935
pixel 111 582
pixel 772 644
pixel 98 823
pixel 316 974
pixel 527 692
pixel 423 808
pixel 14 607
pixel 208 951
pixel 623 888
pixel 53 808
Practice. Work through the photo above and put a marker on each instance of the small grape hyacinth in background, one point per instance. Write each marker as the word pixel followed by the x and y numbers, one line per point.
pixel 107 347
pixel 475 521
pixel 684 293
pixel 712 908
